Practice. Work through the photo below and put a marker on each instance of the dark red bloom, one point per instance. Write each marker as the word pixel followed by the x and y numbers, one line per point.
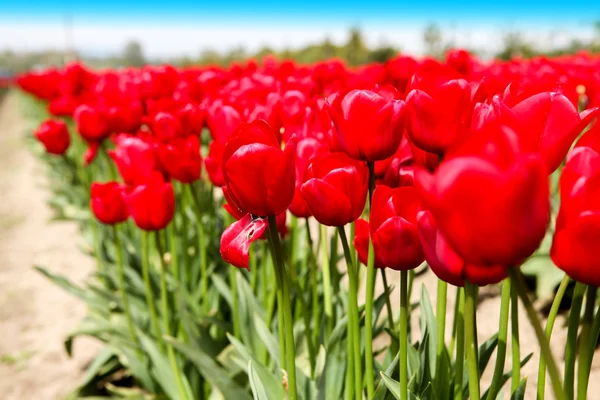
pixel 54 135
pixel 492 202
pixel 447 264
pixel 135 159
pixel 368 125
pixel 152 203
pixel 258 174
pixel 335 188
pixel 393 229
pixel 181 158
pixel 92 124
pixel 108 202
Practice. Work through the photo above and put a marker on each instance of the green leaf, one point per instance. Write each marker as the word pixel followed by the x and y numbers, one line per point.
pixel 519 393
pixel 381 390
pixel 258 389
pixel 429 328
pixel 99 362
pixel 162 371
pixel 485 353
pixel 269 380
pixel 212 372
pixel 392 385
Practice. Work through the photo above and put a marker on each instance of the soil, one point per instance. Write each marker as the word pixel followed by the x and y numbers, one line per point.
pixel 35 315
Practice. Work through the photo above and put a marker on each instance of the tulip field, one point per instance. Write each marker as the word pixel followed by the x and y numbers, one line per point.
pixel 241 219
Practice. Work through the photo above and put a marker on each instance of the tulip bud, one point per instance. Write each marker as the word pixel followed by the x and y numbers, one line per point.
pixel 54 135
pixel 108 202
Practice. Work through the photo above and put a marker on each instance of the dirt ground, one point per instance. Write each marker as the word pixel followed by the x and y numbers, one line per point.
pixel 35 315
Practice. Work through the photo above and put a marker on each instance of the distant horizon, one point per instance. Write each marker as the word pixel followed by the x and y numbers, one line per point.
pixel 182 28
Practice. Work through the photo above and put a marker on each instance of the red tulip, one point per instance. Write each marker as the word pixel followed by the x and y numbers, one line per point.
pixel 258 174
pixel 152 203
pixel 126 117
pixel 92 124
pixel 108 202
pixel 91 153
pixel 549 123
pixel 166 126
pixel 369 126
pixel 393 229
pixel 222 121
pixel 307 149
pixel 181 158
pixel 214 163
pixel 192 119
pixel 446 263
pixel 335 189
pixel 577 233
pixel 54 135
pixel 546 123
pixel 439 115
pixel 135 159
pixel 492 202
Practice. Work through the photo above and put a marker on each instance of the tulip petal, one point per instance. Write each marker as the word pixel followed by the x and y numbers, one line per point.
pixel 236 239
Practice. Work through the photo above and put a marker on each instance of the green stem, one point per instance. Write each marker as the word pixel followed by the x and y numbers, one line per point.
pixel 369 298
pixel 353 318
pixel 123 289
pixel 98 253
pixel 455 319
pixel 403 358
pixel 515 275
pixel 470 332
pixel 585 357
pixel 502 339
pixel 164 296
pixel 148 288
pixel 185 267
pixel 312 272
pixel 460 345
pixel 440 312
pixel 253 270
pixel 388 303
pixel 326 269
pixel 283 288
pixel 560 293
pixel 174 266
pixel 571 346
pixel 201 249
pixel 516 343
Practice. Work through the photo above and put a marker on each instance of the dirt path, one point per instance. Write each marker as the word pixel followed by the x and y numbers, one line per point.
pixel 35 315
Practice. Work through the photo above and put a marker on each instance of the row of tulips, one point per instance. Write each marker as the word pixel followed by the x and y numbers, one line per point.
pixel 459 164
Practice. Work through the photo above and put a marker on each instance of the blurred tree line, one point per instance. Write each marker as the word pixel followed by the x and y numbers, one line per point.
pixel 355 51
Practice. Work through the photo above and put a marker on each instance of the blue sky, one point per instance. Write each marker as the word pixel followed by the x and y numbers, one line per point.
pixel 177 27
